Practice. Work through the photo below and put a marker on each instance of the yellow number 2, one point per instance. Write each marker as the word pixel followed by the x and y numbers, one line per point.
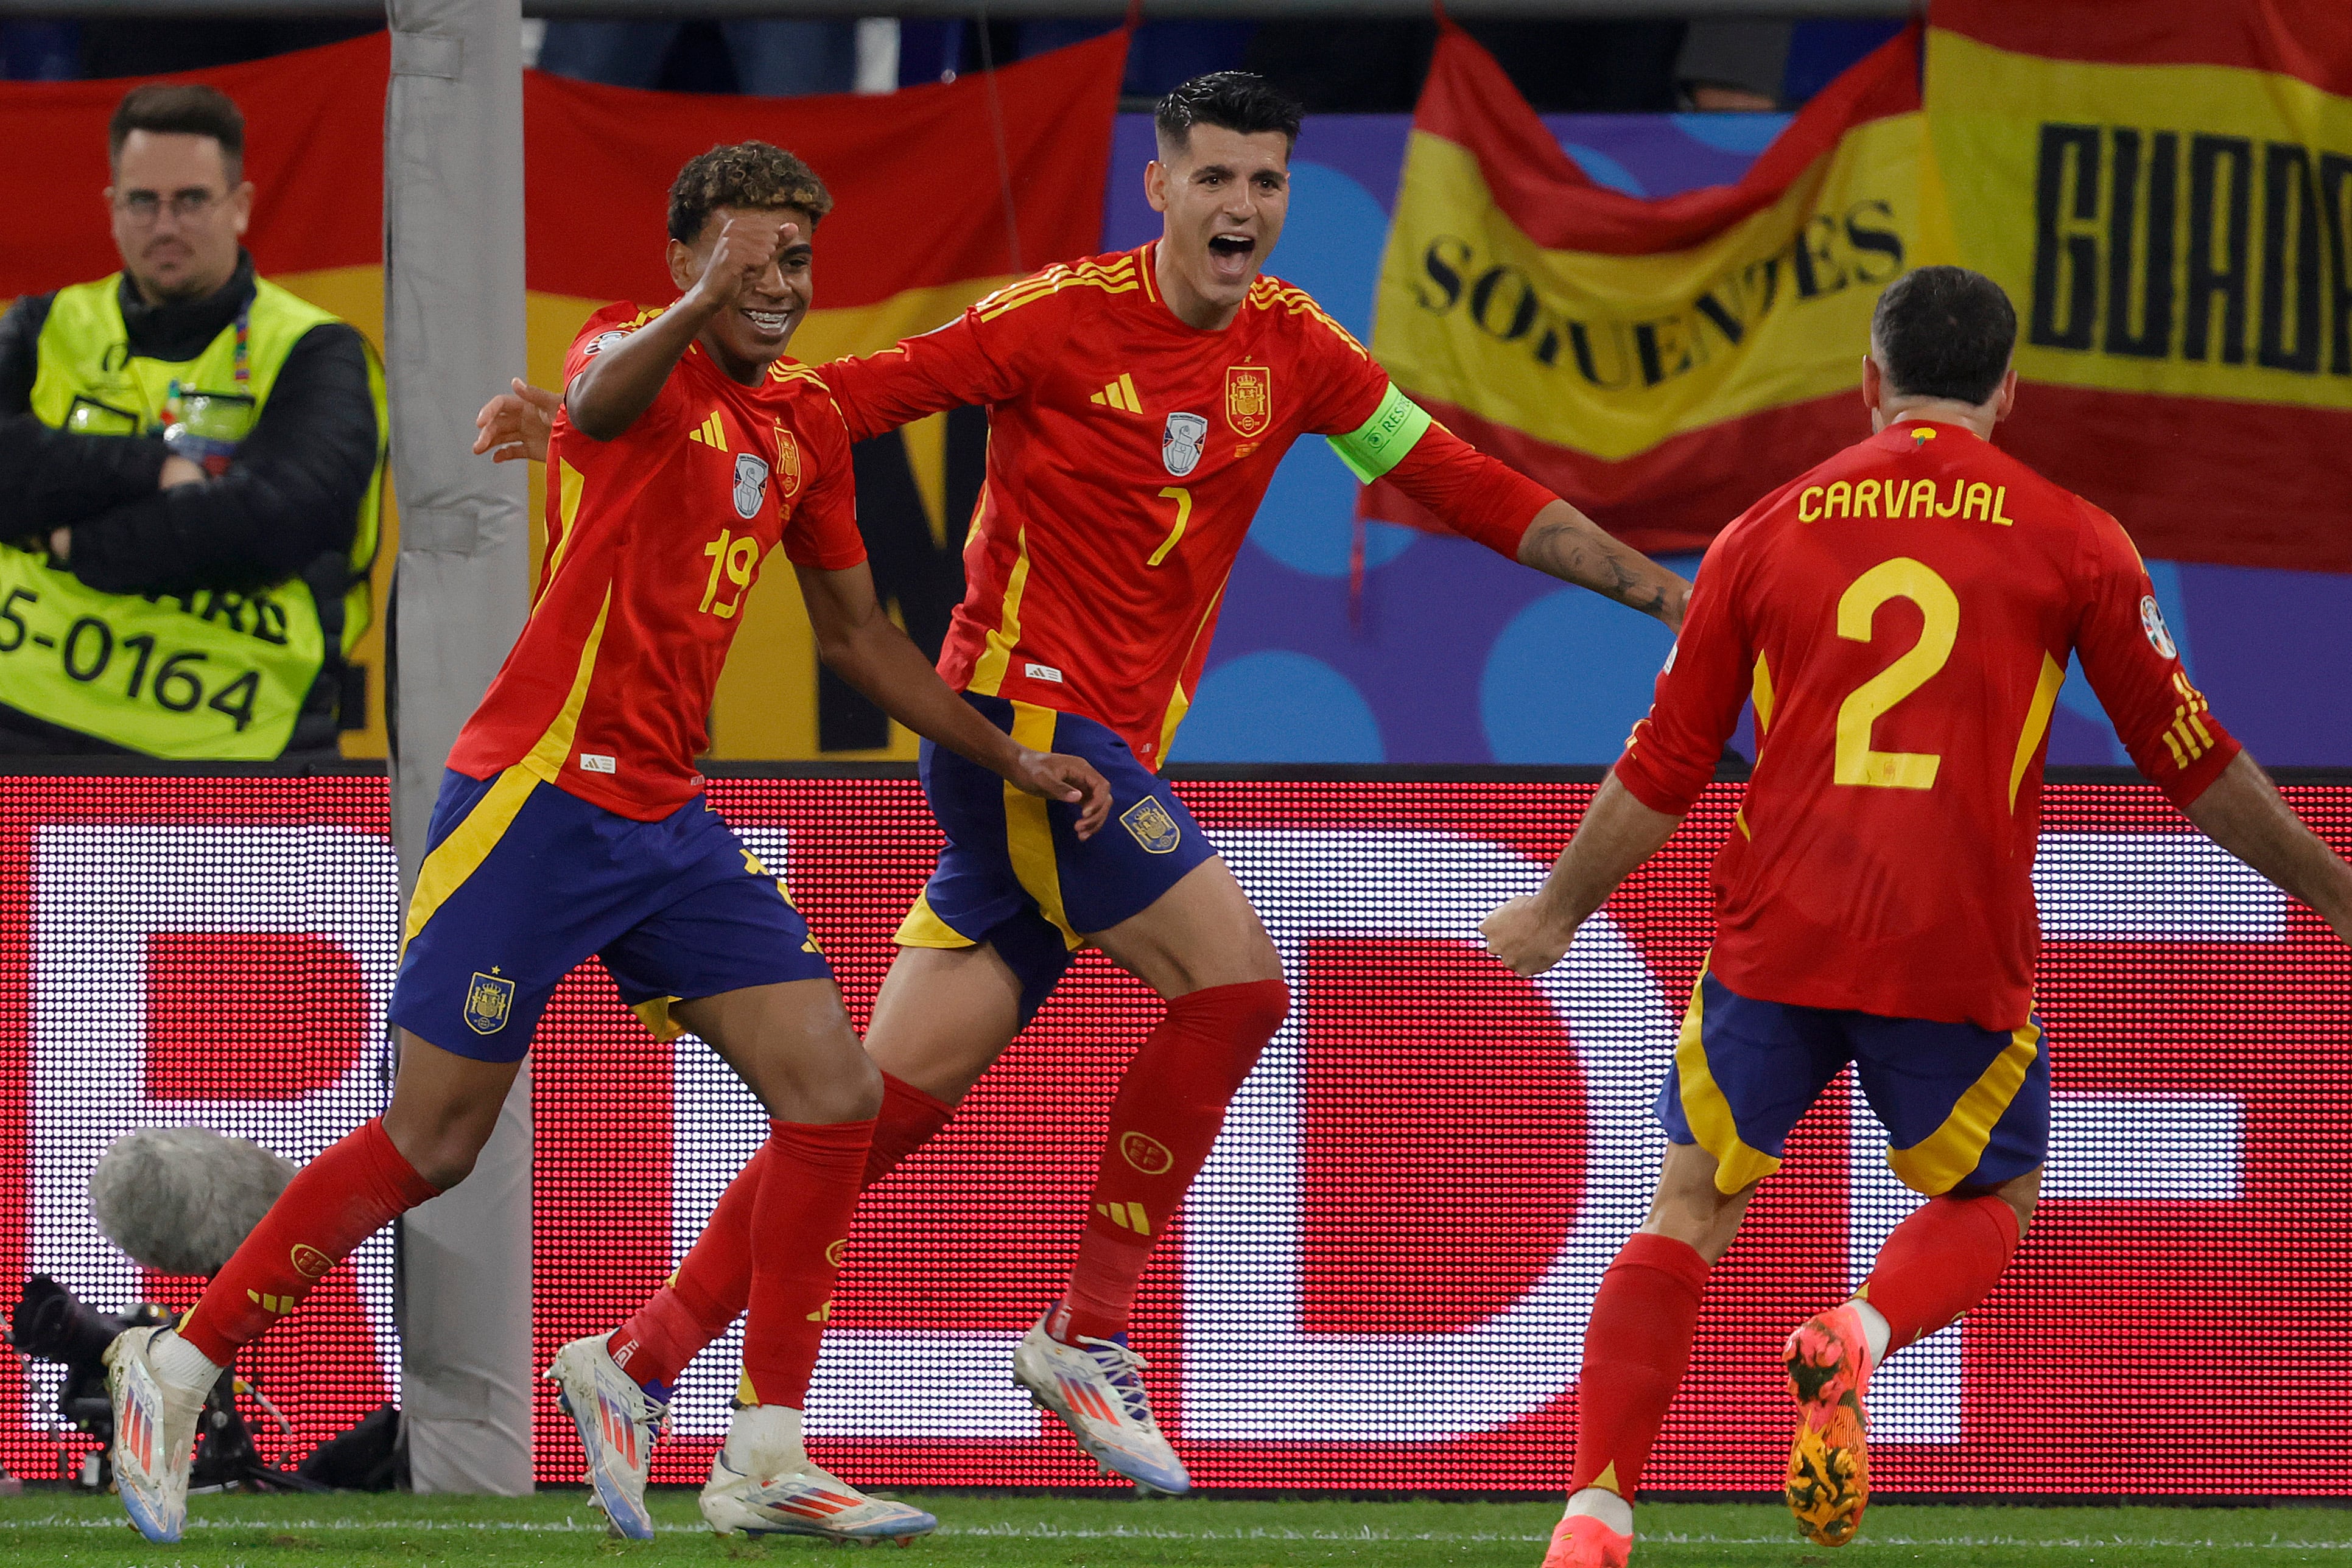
pixel 1940 608
pixel 1183 499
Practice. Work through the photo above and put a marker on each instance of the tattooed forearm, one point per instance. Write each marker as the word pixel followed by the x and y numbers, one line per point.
pixel 1564 543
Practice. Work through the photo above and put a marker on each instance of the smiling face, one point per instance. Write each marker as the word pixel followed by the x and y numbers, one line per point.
pixel 1223 196
pixel 757 327
pixel 179 210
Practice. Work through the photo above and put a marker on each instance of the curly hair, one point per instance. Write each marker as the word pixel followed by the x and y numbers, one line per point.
pixel 748 174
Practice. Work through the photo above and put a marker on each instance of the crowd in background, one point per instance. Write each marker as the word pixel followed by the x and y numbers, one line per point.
pixel 1372 66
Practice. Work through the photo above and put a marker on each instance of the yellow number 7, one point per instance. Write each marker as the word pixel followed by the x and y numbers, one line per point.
pixel 1939 610
pixel 1183 499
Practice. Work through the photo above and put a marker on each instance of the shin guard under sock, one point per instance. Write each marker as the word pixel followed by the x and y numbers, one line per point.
pixel 1171 1106
pixel 1942 1260
pixel 1637 1345
pixel 799 1222
pixel 354 1189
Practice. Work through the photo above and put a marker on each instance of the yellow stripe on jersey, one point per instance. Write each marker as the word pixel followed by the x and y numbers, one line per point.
pixel 1737 1165
pixel 469 843
pixel 1936 1163
pixel 1760 687
pixel 1028 831
pixel 1119 276
pixel 2037 720
pixel 568 483
pixel 1181 702
pixel 555 748
pixel 996 659
pixel 1268 294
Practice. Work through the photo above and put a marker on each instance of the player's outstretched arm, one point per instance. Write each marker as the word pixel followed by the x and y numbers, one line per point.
pixel 515 425
pixel 1568 545
pixel 2242 812
pixel 866 648
pixel 1529 934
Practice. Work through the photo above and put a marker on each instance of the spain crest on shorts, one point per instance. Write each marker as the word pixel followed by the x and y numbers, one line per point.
pixel 1249 399
pixel 488 1001
pixel 750 483
pixel 788 463
pixel 1151 825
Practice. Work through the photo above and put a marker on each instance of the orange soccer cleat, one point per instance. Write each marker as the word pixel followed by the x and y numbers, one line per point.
pixel 1828 1485
pixel 1578 1541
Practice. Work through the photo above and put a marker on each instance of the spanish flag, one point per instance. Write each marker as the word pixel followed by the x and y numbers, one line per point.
pixel 942 194
pixel 2167 194
pixel 1662 363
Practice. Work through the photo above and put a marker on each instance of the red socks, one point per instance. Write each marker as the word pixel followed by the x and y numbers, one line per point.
pixel 800 1223
pixel 1637 1345
pixel 1171 1106
pixel 337 1201
pixel 713 1284
pixel 1942 1260
pixel 910 1119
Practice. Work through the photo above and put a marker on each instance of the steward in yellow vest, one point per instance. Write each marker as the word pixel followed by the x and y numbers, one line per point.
pixel 190 474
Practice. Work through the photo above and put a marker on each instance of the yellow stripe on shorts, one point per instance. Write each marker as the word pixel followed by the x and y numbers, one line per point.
pixel 924 928
pixel 1936 1164
pixel 469 843
pixel 1737 1165
pixel 1028 833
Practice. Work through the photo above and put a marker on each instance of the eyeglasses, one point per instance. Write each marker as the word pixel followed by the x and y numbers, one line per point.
pixel 146 206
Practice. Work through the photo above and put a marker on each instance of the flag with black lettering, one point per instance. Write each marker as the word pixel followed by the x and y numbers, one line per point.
pixel 2168 200
pixel 1662 363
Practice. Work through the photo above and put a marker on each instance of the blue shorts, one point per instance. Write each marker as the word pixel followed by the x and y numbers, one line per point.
pixel 521 882
pixel 1015 875
pixel 1963 1106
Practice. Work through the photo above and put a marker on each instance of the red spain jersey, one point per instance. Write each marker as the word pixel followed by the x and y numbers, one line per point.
pixel 1127 453
pixel 654 538
pixel 1902 618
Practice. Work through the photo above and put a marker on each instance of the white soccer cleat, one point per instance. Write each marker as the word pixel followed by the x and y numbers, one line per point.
pixel 619 1422
pixel 805 1500
pixel 154 1436
pixel 1097 1388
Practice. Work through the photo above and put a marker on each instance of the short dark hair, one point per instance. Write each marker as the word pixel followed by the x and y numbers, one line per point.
pixel 1943 333
pixel 748 174
pixel 1236 101
pixel 180 109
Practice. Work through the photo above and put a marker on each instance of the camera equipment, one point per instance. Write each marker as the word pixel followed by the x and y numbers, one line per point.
pixel 51 1324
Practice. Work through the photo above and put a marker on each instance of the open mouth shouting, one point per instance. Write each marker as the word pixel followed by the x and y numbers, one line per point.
pixel 1232 257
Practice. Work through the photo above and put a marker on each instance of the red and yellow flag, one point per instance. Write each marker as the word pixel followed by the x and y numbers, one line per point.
pixel 1660 362
pixel 942 194
pixel 2167 194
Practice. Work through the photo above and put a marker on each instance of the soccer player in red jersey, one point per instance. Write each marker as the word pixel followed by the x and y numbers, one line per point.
pixel 571 823
pixel 1138 404
pixel 1901 617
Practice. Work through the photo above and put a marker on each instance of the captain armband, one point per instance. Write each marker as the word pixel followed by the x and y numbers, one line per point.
pixel 1380 443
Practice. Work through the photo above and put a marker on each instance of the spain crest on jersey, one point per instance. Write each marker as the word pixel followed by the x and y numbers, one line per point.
pixel 1249 399
pixel 750 483
pixel 488 1001
pixel 1179 443
pixel 1151 825
pixel 788 463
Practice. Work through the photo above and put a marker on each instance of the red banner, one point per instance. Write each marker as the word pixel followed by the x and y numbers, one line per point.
pixel 1381 1279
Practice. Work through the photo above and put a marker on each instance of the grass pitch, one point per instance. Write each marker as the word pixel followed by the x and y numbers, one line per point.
pixel 563 1529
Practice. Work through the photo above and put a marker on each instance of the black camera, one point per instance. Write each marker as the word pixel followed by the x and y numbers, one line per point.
pixel 52 1324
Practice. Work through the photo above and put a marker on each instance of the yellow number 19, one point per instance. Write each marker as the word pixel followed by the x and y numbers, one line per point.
pixel 1940 609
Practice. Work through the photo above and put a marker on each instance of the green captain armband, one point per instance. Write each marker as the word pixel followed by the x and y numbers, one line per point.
pixel 1380 443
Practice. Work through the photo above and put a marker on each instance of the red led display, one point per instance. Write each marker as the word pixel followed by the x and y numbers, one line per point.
pixel 1381 1279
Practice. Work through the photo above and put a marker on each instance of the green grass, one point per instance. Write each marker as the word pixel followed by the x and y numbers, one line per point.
pixel 563 1528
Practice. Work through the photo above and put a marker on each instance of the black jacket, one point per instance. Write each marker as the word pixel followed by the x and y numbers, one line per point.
pixel 289 505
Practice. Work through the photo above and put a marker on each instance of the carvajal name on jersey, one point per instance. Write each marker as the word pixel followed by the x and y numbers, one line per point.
pixel 1915 498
